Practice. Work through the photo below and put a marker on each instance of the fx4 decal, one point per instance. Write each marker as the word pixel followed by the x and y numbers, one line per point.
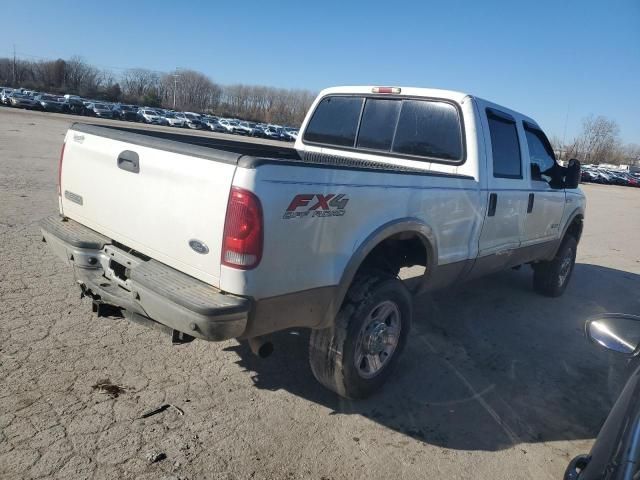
pixel 316 205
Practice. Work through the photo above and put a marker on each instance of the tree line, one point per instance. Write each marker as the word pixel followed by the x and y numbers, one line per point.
pixel 189 90
pixel 598 142
pixel 186 90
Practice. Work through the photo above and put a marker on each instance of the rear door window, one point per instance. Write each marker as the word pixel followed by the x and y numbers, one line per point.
pixel 429 129
pixel 335 121
pixel 505 146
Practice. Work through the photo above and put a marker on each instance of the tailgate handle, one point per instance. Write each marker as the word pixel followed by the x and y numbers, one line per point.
pixel 129 161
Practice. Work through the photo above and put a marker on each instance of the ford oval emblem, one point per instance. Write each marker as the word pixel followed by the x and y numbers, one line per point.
pixel 198 246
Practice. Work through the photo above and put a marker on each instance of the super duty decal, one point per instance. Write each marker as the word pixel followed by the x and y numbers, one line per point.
pixel 317 205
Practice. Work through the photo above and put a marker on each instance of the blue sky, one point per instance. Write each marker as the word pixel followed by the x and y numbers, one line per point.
pixel 542 58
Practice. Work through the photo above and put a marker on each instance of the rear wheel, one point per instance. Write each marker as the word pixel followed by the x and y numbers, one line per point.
pixel 551 278
pixel 356 355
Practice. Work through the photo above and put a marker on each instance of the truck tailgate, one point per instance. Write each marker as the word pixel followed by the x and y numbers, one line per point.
pixel 168 205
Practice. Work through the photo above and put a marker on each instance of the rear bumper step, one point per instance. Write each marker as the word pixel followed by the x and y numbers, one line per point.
pixel 150 291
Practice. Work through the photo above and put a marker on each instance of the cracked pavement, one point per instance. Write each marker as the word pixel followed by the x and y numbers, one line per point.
pixel 496 382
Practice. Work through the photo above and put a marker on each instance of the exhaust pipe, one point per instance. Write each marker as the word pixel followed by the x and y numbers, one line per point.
pixel 261 346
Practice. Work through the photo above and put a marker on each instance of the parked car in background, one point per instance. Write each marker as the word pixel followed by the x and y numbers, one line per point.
pixel 173 120
pixel 243 128
pixel 193 121
pixel 227 127
pixel 272 133
pixel 20 100
pixel 49 103
pixel 290 134
pixel 125 112
pixel 147 115
pixel 258 131
pixel 609 176
pixel 98 110
pixel 73 104
pixel 4 95
pixel 632 180
pixel 213 124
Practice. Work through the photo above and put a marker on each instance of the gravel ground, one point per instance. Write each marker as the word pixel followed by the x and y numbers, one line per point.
pixel 496 381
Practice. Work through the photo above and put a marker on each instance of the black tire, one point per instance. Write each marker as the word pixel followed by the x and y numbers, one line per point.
pixel 332 351
pixel 551 278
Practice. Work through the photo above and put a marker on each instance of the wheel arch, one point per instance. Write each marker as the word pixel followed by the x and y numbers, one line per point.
pixel 573 225
pixel 408 225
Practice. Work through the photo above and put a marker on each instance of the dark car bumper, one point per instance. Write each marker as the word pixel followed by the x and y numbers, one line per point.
pixel 146 291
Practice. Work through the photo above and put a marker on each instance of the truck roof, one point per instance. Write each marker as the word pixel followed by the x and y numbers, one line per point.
pixel 452 95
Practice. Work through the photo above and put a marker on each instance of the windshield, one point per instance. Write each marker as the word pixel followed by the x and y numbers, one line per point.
pixel 48 98
pixel 191 116
pixel 101 106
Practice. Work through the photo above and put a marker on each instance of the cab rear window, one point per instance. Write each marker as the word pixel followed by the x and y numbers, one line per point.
pixel 429 129
pixel 424 129
pixel 335 121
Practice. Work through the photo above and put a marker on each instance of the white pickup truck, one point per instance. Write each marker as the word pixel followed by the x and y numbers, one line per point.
pixel 213 239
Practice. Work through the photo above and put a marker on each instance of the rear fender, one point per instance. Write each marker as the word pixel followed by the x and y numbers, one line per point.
pixel 413 225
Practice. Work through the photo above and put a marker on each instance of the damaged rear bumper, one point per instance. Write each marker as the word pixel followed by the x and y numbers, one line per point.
pixel 146 290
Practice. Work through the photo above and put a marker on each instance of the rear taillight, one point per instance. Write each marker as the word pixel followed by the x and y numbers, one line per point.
pixel 60 170
pixel 243 231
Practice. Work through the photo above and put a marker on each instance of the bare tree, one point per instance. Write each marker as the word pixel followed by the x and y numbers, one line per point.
pixel 193 91
pixel 265 104
pixel 80 76
pixel 137 83
pixel 598 141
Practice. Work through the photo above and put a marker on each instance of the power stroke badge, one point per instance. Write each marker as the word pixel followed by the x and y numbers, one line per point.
pixel 317 205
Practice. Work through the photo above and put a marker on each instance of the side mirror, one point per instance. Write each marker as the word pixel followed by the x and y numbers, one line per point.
pixel 615 331
pixel 572 176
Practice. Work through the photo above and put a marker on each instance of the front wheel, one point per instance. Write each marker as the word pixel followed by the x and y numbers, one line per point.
pixel 357 354
pixel 551 278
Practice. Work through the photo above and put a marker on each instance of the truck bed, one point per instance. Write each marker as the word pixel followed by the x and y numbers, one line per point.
pixel 188 143
pixel 247 154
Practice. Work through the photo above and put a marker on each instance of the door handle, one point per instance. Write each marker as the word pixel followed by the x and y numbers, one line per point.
pixel 530 204
pixel 129 161
pixel 493 203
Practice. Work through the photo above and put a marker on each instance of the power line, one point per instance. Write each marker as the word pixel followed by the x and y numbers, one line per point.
pixel 104 67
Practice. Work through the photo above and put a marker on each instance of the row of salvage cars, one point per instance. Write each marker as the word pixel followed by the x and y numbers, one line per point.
pixel 73 104
pixel 609 176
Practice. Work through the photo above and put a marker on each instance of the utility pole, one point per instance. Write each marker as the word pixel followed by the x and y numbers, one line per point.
pixel 175 87
pixel 14 64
